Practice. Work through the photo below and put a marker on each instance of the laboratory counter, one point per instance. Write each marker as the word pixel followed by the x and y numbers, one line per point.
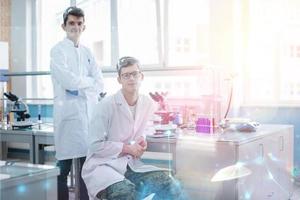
pixel 27 181
pixel 197 157
pixel 42 135
pixel 235 137
pixel 18 136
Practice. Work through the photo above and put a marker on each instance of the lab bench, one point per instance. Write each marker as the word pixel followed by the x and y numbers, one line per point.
pixel 20 136
pixel 30 136
pixel 163 145
pixel 45 137
pixel 197 157
pixel 28 181
pixel 42 135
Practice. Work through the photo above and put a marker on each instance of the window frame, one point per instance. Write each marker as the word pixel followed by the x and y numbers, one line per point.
pixel 162 35
pixel 162 13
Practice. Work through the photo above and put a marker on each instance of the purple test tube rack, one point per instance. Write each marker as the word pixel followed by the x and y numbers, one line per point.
pixel 203 125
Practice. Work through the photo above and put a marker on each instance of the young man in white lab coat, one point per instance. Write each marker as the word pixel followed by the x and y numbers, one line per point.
pixel 77 82
pixel 113 169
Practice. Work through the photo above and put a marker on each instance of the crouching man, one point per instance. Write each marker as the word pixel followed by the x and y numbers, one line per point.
pixel 113 169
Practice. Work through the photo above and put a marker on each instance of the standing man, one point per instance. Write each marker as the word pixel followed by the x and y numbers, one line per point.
pixel 77 82
pixel 113 169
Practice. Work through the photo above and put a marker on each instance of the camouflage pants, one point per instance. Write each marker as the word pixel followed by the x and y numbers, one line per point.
pixel 137 186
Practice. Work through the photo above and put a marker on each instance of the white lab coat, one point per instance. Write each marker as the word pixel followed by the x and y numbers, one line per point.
pixel 112 126
pixel 73 69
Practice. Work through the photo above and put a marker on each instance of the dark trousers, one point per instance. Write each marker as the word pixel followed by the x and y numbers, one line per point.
pixel 62 180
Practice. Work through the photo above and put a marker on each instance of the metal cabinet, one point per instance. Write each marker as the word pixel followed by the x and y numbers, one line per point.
pixel 270 159
pixel 268 153
pixel 251 154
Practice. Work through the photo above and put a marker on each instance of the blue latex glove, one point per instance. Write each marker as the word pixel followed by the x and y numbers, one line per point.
pixel 72 92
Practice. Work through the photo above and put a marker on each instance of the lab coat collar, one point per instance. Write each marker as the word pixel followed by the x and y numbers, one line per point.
pixel 70 42
pixel 121 101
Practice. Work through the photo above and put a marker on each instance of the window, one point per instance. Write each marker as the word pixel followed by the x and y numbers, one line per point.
pixel 176 33
pixel 290 59
pixel 188 32
pixel 49 33
pixel 49 28
pixel 273 52
pixel 97 35
pixel 159 33
pixel 137 28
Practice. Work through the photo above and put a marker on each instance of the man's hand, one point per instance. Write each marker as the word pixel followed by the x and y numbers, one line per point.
pixel 136 150
pixel 141 141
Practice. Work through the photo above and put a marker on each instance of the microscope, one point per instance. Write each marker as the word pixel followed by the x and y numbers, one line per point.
pixel 163 110
pixel 21 110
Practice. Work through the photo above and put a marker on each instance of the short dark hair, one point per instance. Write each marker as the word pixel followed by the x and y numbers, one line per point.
pixel 125 62
pixel 73 10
